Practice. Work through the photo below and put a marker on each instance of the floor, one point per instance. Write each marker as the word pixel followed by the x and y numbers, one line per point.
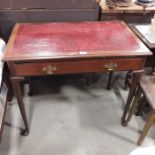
pixel 68 117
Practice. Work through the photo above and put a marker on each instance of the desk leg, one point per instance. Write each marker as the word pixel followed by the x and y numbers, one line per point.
pixel 136 78
pixel 17 90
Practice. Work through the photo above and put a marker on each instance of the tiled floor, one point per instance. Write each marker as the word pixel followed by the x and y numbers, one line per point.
pixel 67 117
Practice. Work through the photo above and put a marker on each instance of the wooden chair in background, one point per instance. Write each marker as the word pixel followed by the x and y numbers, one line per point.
pixel 146 89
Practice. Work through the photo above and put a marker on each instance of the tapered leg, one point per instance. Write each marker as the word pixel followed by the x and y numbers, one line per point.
pixel 148 124
pixel 135 104
pixel 17 90
pixel 109 80
pixel 136 78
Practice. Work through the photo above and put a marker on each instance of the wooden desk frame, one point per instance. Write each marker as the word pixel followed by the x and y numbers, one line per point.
pixel 21 68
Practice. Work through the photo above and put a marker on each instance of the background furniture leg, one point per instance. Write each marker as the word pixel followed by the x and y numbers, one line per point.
pixel 109 80
pixel 128 75
pixel 135 104
pixel 6 77
pixel 136 78
pixel 148 124
pixel 141 107
pixel 30 93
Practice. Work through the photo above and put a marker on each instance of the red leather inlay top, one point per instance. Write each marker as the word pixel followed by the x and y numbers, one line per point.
pixel 75 39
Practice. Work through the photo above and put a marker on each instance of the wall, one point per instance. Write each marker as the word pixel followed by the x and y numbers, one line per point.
pixel 12 11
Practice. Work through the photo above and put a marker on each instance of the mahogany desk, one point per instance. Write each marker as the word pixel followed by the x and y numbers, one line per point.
pixel 67 48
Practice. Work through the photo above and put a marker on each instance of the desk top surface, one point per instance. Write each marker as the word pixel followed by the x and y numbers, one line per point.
pixel 73 40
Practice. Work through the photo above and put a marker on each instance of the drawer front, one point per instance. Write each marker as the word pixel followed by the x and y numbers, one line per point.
pixel 83 66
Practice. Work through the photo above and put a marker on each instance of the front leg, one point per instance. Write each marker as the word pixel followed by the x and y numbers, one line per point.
pixel 136 78
pixel 17 90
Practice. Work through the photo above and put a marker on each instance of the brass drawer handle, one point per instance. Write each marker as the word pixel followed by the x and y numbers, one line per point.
pixel 49 69
pixel 111 66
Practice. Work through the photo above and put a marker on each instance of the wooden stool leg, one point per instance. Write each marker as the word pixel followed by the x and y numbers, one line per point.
pixel 135 104
pixel 148 124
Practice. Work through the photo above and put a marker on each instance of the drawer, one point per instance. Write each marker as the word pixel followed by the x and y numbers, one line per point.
pixel 82 66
